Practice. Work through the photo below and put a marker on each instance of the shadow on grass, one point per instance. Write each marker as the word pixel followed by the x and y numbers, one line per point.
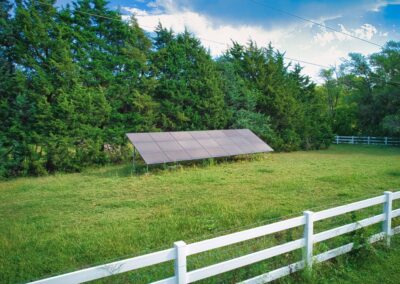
pixel 370 150
pixel 140 168
pixel 393 173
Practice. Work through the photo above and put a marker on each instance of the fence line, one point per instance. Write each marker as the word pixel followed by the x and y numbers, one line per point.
pixel 180 251
pixel 367 140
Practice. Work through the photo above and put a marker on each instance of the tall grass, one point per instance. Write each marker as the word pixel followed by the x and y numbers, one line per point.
pixel 60 223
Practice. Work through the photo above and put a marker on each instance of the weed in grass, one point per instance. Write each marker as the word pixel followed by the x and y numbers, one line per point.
pixel 265 170
pixel 363 249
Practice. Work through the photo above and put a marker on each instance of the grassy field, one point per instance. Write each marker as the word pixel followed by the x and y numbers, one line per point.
pixel 56 224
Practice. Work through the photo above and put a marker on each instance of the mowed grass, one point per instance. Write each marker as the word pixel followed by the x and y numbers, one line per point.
pixel 60 223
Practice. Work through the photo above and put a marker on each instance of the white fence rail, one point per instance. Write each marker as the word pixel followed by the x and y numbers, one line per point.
pixel 181 250
pixel 367 140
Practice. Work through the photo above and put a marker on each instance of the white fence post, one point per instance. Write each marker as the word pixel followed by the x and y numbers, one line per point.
pixel 337 139
pixel 308 238
pixel 352 139
pixel 386 140
pixel 387 210
pixel 180 262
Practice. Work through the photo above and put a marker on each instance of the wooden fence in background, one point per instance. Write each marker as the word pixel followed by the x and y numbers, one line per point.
pixel 180 251
pixel 367 140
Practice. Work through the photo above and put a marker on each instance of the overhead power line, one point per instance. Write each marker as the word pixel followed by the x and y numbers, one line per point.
pixel 314 22
pixel 284 56
pixel 205 39
pixel 221 43
pixel 225 44
pixel 217 42
pixel 276 52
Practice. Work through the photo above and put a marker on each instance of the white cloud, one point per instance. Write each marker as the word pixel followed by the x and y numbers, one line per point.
pixel 210 35
pixel 365 31
pixel 324 38
pixel 135 11
pixel 297 40
pixel 167 5
pixel 376 7
pixel 322 20
pixel 330 56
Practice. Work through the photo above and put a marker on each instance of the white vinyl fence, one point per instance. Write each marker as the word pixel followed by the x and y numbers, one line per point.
pixel 180 251
pixel 367 140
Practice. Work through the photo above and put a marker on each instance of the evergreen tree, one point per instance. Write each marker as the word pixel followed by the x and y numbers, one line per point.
pixel 241 102
pixel 10 129
pixel 74 81
pixel 112 55
pixel 188 83
pixel 280 95
pixel 55 118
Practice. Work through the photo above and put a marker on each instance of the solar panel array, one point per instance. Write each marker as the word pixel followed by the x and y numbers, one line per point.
pixel 164 147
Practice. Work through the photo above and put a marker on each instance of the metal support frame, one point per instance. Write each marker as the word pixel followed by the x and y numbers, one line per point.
pixel 133 159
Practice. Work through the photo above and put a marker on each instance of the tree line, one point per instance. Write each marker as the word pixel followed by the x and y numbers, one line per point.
pixel 75 80
pixel 363 93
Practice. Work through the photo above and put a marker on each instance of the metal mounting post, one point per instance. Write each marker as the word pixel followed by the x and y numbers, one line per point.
pixel 133 159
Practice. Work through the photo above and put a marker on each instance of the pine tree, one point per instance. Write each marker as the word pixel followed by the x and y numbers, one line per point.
pixel 241 102
pixel 283 98
pixel 11 132
pixel 188 83
pixel 62 129
pixel 112 55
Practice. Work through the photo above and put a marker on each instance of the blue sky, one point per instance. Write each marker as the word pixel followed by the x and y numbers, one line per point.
pixel 240 20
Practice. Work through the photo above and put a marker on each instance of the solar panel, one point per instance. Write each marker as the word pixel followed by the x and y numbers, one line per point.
pixel 165 147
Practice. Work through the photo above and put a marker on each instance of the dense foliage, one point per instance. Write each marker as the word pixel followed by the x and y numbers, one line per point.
pixel 277 103
pixel 188 86
pixel 74 80
pixel 363 94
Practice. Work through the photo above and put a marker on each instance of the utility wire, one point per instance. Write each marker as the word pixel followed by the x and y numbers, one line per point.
pixel 299 60
pixel 221 43
pixel 276 52
pixel 205 39
pixel 314 22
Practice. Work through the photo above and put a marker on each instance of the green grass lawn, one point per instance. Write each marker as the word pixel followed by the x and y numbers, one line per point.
pixel 60 223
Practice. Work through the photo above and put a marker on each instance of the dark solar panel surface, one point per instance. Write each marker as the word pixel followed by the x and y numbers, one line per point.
pixel 165 147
